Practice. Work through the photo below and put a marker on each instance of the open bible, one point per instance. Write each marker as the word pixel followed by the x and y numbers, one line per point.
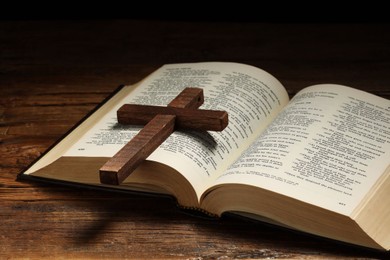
pixel 318 163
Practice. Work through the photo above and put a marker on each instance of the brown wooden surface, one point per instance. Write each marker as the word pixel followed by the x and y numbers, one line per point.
pixel 52 73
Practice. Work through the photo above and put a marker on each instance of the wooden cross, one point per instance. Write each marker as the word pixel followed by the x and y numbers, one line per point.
pixel 160 122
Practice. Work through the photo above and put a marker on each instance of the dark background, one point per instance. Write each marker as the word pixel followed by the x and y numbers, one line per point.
pixel 238 11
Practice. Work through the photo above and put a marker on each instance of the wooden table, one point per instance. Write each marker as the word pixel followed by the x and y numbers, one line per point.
pixel 53 72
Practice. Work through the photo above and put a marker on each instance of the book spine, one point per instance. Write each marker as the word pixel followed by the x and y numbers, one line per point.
pixel 198 212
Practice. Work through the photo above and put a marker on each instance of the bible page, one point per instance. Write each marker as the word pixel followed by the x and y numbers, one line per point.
pixel 251 96
pixel 328 147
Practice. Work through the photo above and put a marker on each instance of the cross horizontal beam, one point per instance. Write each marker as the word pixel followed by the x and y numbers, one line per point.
pixel 185 118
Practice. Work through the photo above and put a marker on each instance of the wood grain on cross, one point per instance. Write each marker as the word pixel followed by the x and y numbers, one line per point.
pixel 160 122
